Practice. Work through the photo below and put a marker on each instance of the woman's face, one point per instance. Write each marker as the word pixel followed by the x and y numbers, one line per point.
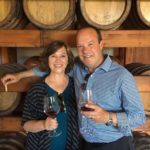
pixel 58 61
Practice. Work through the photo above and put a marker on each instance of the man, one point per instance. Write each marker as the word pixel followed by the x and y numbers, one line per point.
pixel 116 106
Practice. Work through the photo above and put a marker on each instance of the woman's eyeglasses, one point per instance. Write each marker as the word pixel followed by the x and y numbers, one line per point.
pixel 62 103
pixel 83 85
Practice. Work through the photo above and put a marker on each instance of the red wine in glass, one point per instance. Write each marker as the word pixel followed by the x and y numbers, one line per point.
pixel 85 97
pixel 51 109
pixel 51 113
pixel 84 108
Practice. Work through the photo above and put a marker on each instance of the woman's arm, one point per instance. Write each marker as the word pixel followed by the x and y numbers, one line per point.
pixel 32 120
pixel 40 125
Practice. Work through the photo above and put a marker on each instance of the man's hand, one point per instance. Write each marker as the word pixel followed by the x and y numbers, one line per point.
pixel 10 78
pixel 97 113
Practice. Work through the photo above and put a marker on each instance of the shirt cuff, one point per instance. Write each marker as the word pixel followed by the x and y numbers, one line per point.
pixel 123 124
pixel 38 72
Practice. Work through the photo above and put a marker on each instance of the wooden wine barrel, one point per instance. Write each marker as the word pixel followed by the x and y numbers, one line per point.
pixel 9 100
pixel 138 69
pixel 50 14
pixel 143 11
pixel 12 14
pixel 139 17
pixel 12 141
pixel 105 15
pixel 142 142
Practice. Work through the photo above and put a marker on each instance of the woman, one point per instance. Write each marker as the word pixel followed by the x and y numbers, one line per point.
pixel 57 60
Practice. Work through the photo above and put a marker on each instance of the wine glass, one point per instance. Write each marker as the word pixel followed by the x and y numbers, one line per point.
pixel 52 108
pixel 85 97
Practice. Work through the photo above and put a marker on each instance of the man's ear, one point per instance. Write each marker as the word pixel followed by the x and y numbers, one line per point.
pixel 101 44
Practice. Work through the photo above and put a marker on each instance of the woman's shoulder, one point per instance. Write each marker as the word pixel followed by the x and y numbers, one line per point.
pixel 38 86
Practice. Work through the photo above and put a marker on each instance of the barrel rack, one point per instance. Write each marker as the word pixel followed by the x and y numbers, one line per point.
pixel 40 38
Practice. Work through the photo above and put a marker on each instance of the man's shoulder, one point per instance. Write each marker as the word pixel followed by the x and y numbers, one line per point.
pixel 122 71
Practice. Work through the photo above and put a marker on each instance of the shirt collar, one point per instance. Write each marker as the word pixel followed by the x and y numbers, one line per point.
pixel 106 64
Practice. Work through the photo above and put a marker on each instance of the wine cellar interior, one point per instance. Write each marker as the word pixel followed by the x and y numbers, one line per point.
pixel 24 33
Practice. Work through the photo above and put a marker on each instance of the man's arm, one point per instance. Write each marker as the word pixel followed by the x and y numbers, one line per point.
pixel 133 115
pixel 15 77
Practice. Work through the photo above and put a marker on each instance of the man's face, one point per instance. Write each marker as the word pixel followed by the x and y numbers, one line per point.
pixel 89 49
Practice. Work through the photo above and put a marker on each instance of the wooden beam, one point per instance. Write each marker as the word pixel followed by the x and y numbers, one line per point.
pixel 67 36
pixel 20 38
pixel 39 38
pixel 10 124
pixel 116 38
pixel 126 38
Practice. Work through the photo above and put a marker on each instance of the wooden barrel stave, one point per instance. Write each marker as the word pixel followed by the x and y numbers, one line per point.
pixel 142 142
pixel 12 141
pixel 98 14
pixel 7 11
pixel 14 17
pixel 138 68
pixel 50 14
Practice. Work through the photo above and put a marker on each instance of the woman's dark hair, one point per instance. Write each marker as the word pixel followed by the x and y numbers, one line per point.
pixel 51 49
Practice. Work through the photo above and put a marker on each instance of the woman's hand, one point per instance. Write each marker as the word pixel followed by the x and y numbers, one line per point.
pixel 50 124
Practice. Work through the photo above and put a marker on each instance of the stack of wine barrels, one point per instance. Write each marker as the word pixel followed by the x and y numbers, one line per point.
pixel 9 100
pixel 62 14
